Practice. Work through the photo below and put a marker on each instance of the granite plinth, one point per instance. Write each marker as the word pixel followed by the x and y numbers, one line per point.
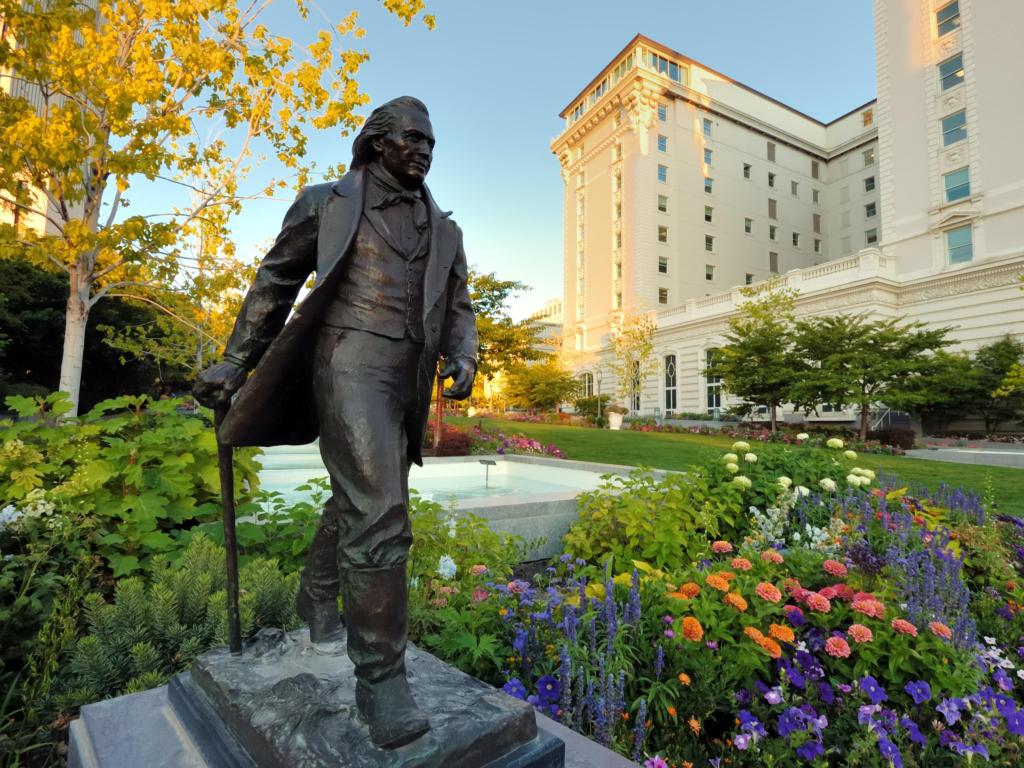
pixel 288 706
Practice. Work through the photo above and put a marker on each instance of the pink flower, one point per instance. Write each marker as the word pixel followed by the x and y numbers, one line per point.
pixel 771 556
pixel 768 592
pixel 817 602
pixel 479 595
pixel 836 646
pixel 741 564
pixel 941 630
pixel 835 568
pixel 904 627
pixel 439 602
pixel 721 547
pixel 478 570
pixel 830 592
pixel 872 607
pixel 517 587
pixel 860 634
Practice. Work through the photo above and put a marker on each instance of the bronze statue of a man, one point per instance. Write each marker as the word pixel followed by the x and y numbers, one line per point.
pixel 355 365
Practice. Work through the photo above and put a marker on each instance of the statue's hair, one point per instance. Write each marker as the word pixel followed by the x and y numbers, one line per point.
pixel 378 124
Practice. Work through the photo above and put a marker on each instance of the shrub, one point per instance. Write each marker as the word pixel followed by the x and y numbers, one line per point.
pixel 454 442
pixel 901 437
pixel 589 408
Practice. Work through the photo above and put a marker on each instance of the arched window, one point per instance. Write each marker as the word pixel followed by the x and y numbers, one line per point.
pixel 670 383
pixel 587 384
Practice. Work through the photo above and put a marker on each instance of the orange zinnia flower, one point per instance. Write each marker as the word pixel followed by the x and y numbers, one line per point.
pixel 735 599
pixel 940 629
pixel 694 724
pixel 754 634
pixel 690 589
pixel 741 564
pixel 692 630
pixel 671 711
pixel 715 581
pixel 768 592
pixel 771 647
pixel 684 678
pixel 781 632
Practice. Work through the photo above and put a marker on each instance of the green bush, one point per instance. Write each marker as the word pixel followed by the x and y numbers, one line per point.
pixel 667 523
pixel 133 471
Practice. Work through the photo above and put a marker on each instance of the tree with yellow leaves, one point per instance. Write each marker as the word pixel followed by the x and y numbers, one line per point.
pixel 98 95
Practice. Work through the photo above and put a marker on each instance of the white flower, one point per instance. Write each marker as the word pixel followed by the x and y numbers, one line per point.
pixel 785 482
pixel 451 527
pixel 446 567
pixel 414 582
pixel 741 481
pixel 730 458
pixel 834 442
pixel 853 480
pixel 751 457
pixel 851 455
pixel 732 468
pixel 803 436
pixel 739 445
pixel 802 490
pixel 990 640
pixel 827 484
pixel 1020 674
pixel 865 473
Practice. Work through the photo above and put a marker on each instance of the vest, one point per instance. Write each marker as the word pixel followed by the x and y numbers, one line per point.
pixel 380 290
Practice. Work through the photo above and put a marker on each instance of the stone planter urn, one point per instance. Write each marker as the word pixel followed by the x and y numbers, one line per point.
pixel 615 414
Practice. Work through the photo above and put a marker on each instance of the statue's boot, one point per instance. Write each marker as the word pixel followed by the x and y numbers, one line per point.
pixel 317 599
pixel 326 623
pixel 376 612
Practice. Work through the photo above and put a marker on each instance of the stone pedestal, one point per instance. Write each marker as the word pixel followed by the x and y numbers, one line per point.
pixel 282 705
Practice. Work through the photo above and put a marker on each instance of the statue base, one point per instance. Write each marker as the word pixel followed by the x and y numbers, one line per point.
pixel 282 705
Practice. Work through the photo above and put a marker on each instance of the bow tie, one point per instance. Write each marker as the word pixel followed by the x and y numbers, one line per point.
pixel 419 209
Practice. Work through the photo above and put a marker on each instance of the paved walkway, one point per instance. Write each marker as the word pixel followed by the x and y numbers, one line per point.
pixel 1007 455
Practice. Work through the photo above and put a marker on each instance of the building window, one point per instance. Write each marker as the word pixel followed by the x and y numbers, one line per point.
pixel 815 169
pixel 709 272
pixel 869 156
pixel 793 188
pixel 663 203
pixel 815 196
pixel 707 156
pixel 670 382
pixel 709 213
pixel 748 225
pixel 959 245
pixel 771 179
pixel 618 239
pixel 947 18
pixel 869 184
pixel 867 117
pixel 871 237
pixel 796 239
pixel 773 208
pixel 817 245
pixel 707 127
pixel 869 211
pixel 773 262
pixel 662 113
pixel 708 184
pixel 951 72
pixel 663 264
pixel 748 279
pixel 746 170
pixel 663 173
pixel 771 151
pixel 709 243
pixel 713 384
pixel 618 268
pixel 958 184
pixel 773 231
pixel 954 128
pixel 662 143
pixel 663 295
pixel 662 234
pixel 587 384
pixel 816 222
pixel 618 211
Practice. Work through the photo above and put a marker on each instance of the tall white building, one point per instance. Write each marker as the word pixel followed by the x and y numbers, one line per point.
pixel 682 185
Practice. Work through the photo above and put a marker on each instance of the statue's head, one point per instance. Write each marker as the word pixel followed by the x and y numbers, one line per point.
pixel 399 136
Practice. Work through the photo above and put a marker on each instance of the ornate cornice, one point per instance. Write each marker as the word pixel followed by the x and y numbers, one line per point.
pixel 982 279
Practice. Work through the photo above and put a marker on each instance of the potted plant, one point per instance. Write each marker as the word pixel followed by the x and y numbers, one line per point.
pixel 615 412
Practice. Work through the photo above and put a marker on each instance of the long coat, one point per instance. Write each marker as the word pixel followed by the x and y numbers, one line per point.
pixel 276 406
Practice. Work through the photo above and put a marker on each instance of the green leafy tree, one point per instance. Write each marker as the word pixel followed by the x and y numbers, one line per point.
pixel 504 342
pixel 541 385
pixel 853 360
pixel 633 354
pixel 757 363
pixel 950 392
pixel 111 92
pixel 994 363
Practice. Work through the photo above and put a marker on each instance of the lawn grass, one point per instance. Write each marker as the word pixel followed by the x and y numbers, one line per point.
pixel 665 450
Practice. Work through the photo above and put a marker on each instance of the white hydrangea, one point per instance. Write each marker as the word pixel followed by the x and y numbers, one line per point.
pixel 446 567
pixel 835 442
pixel 751 457
pixel 785 482
pixel 865 473
pixel 732 468
pixel 742 481
pixel 740 446
pixel 730 458
pixel 803 436
pixel 853 480
pixel 851 455
pixel 827 484
pixel 802 490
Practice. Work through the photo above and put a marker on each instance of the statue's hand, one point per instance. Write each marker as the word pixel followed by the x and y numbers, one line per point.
pixel 215 385
pixel 463 370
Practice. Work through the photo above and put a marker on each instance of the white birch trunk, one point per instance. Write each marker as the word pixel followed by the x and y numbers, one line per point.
pixel 76 318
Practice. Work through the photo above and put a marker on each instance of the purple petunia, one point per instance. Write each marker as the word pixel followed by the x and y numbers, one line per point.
pixel 741 741
pixel 655 762
pixel 548 689
pixel 950 709
pixel 890 752
pixel 810 750
pixel 874 691
pixel 773 696
pixel 515 688
pixel 1015 722
pixel 918 690
pixel 790 721
pixel 913 731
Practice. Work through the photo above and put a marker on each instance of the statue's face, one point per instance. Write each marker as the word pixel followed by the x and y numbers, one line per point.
pixel 406 151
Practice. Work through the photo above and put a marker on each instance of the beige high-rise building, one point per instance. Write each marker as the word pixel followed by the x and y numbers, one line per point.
pixel 683 185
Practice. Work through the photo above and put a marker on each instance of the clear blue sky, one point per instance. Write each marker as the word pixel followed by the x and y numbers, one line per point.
pixel 495 75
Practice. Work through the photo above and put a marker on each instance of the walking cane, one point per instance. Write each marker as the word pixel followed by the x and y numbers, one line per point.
pixel 227 494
